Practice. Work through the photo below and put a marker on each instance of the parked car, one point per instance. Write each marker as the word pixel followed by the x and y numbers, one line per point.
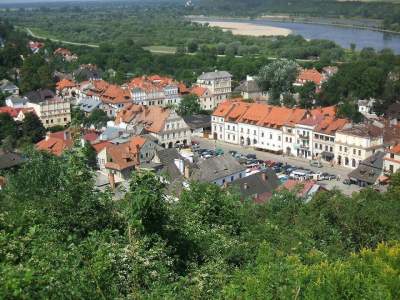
pixel 233 153
pixel 316 163
pixel 251 156
pixel 219 152
pixel 347 182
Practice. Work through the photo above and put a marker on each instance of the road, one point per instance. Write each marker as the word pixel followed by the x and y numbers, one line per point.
pixel 294 161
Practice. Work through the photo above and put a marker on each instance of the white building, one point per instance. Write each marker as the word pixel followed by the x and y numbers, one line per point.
pixel 355 143
pixel 392 160
pixel 219 83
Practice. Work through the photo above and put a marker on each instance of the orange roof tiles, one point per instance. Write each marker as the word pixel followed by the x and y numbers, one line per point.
pixel 329 111
pixel 395 149
pixel 125 155
pixel 115 94
pixel 56 143
pixel 239 108
pixel 330 125
pixel 100 145
pixel 13 112
pixel 152 117
pixel 151 83
pixel 65 84
pixel 223 109
pixel 255 113
pixel 198 90
pixel 310 75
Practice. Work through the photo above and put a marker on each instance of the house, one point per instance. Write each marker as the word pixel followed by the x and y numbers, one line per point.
pixel 162 123
pixel 8 88
pixel 304 189
pixel 87 105
pixel 200 125
pixel 87 72
pixel 12 112
pixel 258 187
pixel 357 142
pixel 155 90
pixel 219 170
pixel 121 160
pixel 56 143
pixel 250 89
pixel 219 83
pixel 66 88
pixel 66 54
pixel 328 72
pixel 51 110
pixel 365 106
pixel 369 170
pixel 10 160
pixel 324 137
pixel 218 119
pixel 205 97
pixel 35 46
pixel 309 75
pixel 304 136
pixel 391 163
pixel 230 122
pixel 114 98
pixel 15 101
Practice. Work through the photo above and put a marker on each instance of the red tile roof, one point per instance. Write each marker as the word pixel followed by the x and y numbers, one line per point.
pixel 329 111
pixel 115 94
pixel 13 112
pixel 237 111
pixel 151 83
pixel 395 149
pixel 303 186
pixel 330 125
pixel 279 116
pixel 100 145
pixel 198 90
pixel 152 117
pixel 310 75
pixel 255 113
pixel 65 84
pixel 56 143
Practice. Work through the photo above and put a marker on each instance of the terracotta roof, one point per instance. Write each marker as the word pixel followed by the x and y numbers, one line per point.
pixel 363 130
pixel 90 136
pixel 56 143
pixel 330 125
pixel 65 84
pixel 395 149
pixel 153 118
pixel 256 113
pixel 13 112
pixel 238 110
pixel 279 116
pixel 310 75
pixel 223 109
pixel 152 83
pixel 329 111
pixel 198 90
pixel 100 145
pixel 115 94
pixel 312 120
pixel 125 155
pixel 303 186
pixel 63 52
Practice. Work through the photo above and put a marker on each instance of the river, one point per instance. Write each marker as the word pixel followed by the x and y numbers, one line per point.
pixel 343 36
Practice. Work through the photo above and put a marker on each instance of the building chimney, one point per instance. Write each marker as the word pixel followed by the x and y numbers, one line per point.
pixel 111 179
pixel 264 176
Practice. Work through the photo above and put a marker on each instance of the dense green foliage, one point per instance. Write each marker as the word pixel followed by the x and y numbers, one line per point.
pixel 61 238
pixel 189 105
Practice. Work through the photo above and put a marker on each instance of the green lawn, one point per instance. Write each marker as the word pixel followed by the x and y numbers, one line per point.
pixel 161 49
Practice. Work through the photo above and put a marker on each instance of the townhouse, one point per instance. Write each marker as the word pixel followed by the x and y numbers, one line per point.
pixel 155 90
pixel 205 97
pixel 219 84
pixel 324 137
pixel 357 142
pixel 164 124
pixel 392 160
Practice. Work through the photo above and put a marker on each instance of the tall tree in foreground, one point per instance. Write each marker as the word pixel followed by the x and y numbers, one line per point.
pixel 32 128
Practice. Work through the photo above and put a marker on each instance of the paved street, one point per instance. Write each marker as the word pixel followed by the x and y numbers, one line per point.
pixel 329 184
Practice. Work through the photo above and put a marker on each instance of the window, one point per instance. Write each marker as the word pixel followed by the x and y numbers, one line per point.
pixel 391 155
pixel 279 138
pixel 286 139
pixel 340 148
pixel 262 134
pixel 232 178
pixel 345 149
pixel 354 151
pixel 248 131
pixel 254 132
pixel 359 152
pixel 391 168
pixel 229 127
pixel 270 136
pixel 316 146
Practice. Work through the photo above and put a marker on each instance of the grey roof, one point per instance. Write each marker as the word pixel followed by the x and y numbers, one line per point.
pixel 167 158
pixel 39 95
pixel 214 75
pixel 369 169
pixel 255 185
pixel 88 73
pixel 89 104
pixel 111 133
pixel 9 160
pixel 214 168
pixel 7 85
pixel 249 86
pixel 198 121
pixel 17 100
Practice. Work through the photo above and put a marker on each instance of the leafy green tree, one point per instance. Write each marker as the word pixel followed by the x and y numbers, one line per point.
pixel 278 77
pixel 8 127
pixel 349 110
pixel 189 105
pixel 288 100
pixel 192 46
pixel 90 155
pixel 97 118
pixel 307 95
pixel 32 128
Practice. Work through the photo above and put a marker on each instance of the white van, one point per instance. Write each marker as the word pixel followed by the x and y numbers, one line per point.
pixel 300 175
